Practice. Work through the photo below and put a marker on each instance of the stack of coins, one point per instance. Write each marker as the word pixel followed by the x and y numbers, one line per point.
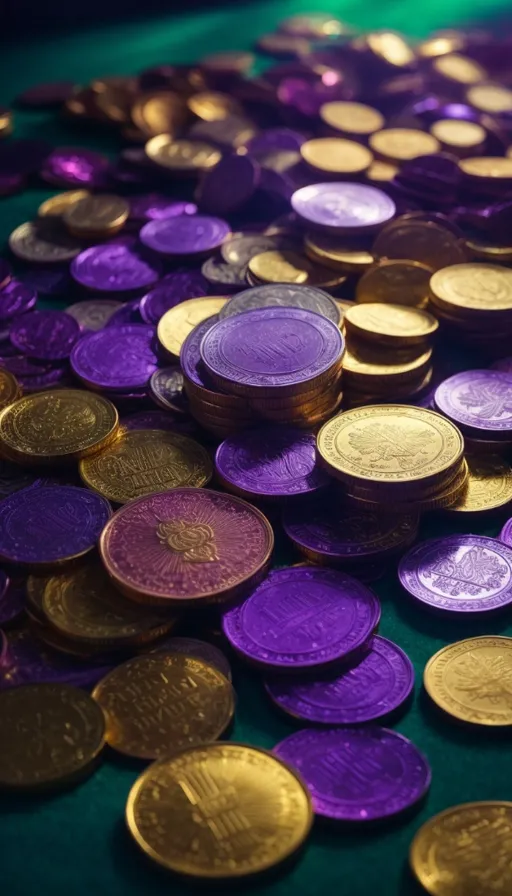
pixel 480 403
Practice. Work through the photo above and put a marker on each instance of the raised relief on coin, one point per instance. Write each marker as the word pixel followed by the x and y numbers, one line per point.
pixel 485 287
pixel 481 399
pixel 489 484
pixel 195 543
pixel 385 445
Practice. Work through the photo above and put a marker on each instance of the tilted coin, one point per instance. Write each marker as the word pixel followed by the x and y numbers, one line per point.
pixel 181 156
pixel 401 144
pixel 101 214
pixel 474 289
pixel 292 295
pixel 178 322
pixel 402 282
pixel 390 324
pixel 33 242
pixel 57 205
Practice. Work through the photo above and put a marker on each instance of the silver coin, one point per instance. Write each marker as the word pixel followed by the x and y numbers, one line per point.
pixel 285 295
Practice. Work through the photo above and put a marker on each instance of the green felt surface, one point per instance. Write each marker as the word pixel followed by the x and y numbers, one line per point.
pixel 75 842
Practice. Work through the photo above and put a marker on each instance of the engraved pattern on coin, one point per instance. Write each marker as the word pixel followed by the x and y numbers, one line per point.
pixel 481 399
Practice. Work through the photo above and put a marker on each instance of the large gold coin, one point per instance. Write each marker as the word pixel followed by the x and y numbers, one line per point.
pixel 465 851
pixel 461 69
pixel 473 288
pixel 182 156
pixel 332 155
pixel 158 703
pixel 285 266
pixel 498 168
pixel 459 136
pixel 401 282
pixel 491 98
pixel 227 810
pixel 471 680
pixel 402 144
pixel 178 322
pixel 9 388
pixel 99 215
pixel 489 484
pixel 352 118
pixel 50 734
pixel 61 424
pixel 55 206
pixel 418 240
pixel 390 324
pixel 161 112
pixel 393 446
pixel 142 461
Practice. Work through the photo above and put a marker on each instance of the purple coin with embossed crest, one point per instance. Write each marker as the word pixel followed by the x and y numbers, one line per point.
pixel 376 687
pixel 129 313
pixel 16 298
pixel 29 660
pixel 343 206
pixel 202 650
pixel 229 184
pixel 12 599
pixel 121 361
pixel 270 462
pixel 185 235
pixel 170 291
pixel 155 207
pixel 115 267
pixel 47 525
pixel 479 401
pixel 504 365
pixel 459 574
pixel 93 314
pixel 303 618
pixel 506 533
pixel 45 335
pixel 358 774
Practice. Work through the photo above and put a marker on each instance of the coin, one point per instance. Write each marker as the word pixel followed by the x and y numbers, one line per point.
pixel 493 168
pixel 120 360
pixel 166 389
pixel 351 118
pixel 459 68
pixel 115 267
pixel 331 252
pixel 51 734
pixel 229 185
pixel 101 215
pixel 493 98
pixel 332 155
pixel 506 533
pixel 390 324
pixel 178 322
pixel 469 680
pixel 479 401
pixel 201 650
pixel 55 206
pixel 270 803
pixel 473 289
pixel 368 367
pixel 9 389
pixel 401 144
pixel 93 314
pixel 343 207
pixel 163 702
pixel 30 660
pixel 33 242
pixel 489 484
pixel 45 335
pixel 185 235
pixel 16 299
pixel 285 266
pixel 296 296
pixel 173 289
pixel 181 156
pixel 396 281
pixel 458 135
pixel 161 112
pixel 211 105
pixel 425 241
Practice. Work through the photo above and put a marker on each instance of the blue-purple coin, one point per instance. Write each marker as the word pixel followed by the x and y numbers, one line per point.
pixel 93 314
pixel 115 267
pixel 28 660
pixel 74 166
pixel 504 365
pixel 129 313
pixel 280 295
pixel 45 335
pixel 190 355
pixel 20 365
pixel 13 478
pixel 506 533
pixel 373 689
pixel 202 650
pixel 358 774
pixel 303 618
pixel 478 401
pixel 47 525
pixel 229 185
pixel 459 574
pixel 170 291
pixel 166 389
pixel 343 206
pixel 120 360
pixel 55 376
pixel 185 235
pixel 271 348
pixel 270 462
pixel 12 599
pixel 16 298
pixel 155 207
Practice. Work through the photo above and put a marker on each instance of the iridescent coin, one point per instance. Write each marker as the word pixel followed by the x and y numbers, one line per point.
pixel 185 235
pixel 201 650
pixel 388 324
pixel 46 335
pixel 302 618
pixel 115 267
pixel 478 401
pixel 282 294
pixel 170 291
pixel 9 388
pixel 343 206
pixel 28 660
pixel 358 774
pixel 45 527
pixel 140 462
pixel 489 484
pixel 15 299
pixel 93 314
pixel 401 282
pixel 40 244
pixel 120 360
pixel 166 389
pixel 164 702
pixel 178 322
pixel 185 545
pixel 269 462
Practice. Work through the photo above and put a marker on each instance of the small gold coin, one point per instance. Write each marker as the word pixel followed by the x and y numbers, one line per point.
pixel 493 98
pixel 390 324
pixel 9 388
pixel 490 252
pixel 142 461
pixel 55 206
pixel 369 367
pixel 465 850
pixel 401 282
pixel 402 144
pixel 381 171
pixel 6 124
pixel 57 425
pixel 390 47
pixel 158 703
pixel 352 118
pixel 50 734
pixel 175 325
pixel 225 810
pixel 161 112
pixel 489 484
pixel 181 156
pixel 210 105
pixel 473 288
pixel 470 680
pixel 458 135
pixel 459 68
pixel 334 252
pixel 332 155
pixel 417 240
pixel 495 167
pixel 103 214
pixel 286 266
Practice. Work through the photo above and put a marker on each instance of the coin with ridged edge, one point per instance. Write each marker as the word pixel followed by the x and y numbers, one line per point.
pixel 489 484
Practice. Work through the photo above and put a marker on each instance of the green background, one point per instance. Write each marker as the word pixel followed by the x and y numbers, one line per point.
pixel 75 842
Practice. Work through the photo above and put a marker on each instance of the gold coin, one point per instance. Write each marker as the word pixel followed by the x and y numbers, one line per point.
pixel 352 118
pixel 142 461
pixel 455 134
pixel 318 24
pixel 333 252
pixel 401 282
pixel 286 266
pixel 421 502
pixel 470 680
pixel 181 156
pixel 496 167
pixel 459 68
pixel 381 171
pixel 356 396
pixel 425 241
pixel 84 606
pixel 60 424
pixel 6 124
pixel 474 287
pixel 210 105
pixel 489 484
pixel 390 324
pixel 365 363
pixel 493 98
pixel 175 325
pixel 158 703
pixel 50 734
pixel 35 590
pixel 390 47
pixel 333 155
pixel 93 215
pixel 40 242
pixel 9 388
pixel 447 42
pixel 55 206
pixel 225 810
pixel 161 112
pixel 391 445
pixel 403 144
pixel 465 850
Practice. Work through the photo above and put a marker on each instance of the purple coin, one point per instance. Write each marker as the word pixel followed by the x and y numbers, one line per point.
pixel 16 298
pixel 358 774
pixel 11 183
pixel 190 355
pixel 129 313
pixel 170 291
pixel 229 185
pixel 202 650
pixel 478 401
pixel 47 525
pixel 376 687
pixel 506 533
pixel 93 314
pixel 115 267
pixel 19 365
pixel 270 462
pixel 12 599
pixel 504 365
pixel 272 139
pixel 45 335
pixel 57 376
pixel 303 618
pixel 13 478
pixel 185 235
pixel 74 166
pixel 121 360
pixel 459 574
pixel 46 281
pixel 276 347
pixel 155 207
pixel 343 206
pixel 29 661
pixel 166 389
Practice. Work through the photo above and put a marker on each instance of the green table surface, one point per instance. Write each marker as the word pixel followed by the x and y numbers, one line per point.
pixel 76 842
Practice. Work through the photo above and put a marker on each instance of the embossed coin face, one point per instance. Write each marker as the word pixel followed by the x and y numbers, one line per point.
pixel 418 240
pixel 9 388
pixel 473 287
pixel 185 545
pixel 296 296
pixel 478 400
pixel 470 680
pixel 163 702
pixel 57 425
pixel 33 242
pixel 188 812
pixel 178 322
pixel 143 461
pixel 397 281
pixel 489 484
pixel 92 215
pixel 49 734
pixel 120 360
pixel 343 206
pixel 390 324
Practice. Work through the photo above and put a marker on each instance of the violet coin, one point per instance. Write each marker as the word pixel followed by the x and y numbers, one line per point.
pixel 202 650
pixel 121 360
pixel 155 207
pixel 16 298
pixel 185 235
pixel 301 618
pixel 506 533
pixel 55 376
pixel 74 166
pixel 170 291
pixel 478 401
pixel 115 267
pixel 190 355
pixel 229 185
pixel 459 574
pixel 12 599
pixel 283 294
pixel 29 661
pixel 274 139
pixel 343 206
pixel 93 314
pixel 358 774
pixel 45 335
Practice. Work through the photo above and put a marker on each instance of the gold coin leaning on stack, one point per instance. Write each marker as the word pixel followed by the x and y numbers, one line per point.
pixel 286 266
pixel 176 324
